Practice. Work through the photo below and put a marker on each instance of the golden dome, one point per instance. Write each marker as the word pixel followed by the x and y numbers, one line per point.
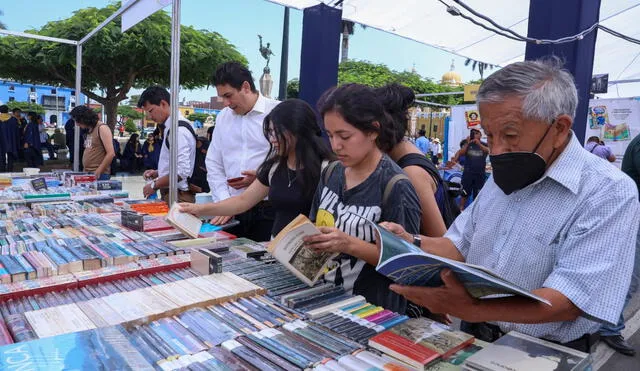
pixel 451 78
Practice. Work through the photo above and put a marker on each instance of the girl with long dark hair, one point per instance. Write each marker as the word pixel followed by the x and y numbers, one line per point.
pixel 290 173
pixel 132 157
pixel 364 187
pixel 438 209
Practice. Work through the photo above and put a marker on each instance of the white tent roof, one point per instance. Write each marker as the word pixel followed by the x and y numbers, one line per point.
pixel 428 22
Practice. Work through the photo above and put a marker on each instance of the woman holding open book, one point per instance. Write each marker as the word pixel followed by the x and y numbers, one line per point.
pixel 290 173
pixel 364 186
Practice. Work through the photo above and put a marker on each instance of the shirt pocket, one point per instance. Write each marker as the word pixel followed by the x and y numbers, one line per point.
pixel 538 245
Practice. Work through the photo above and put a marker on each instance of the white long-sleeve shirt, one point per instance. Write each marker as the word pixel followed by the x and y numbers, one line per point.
pixel 186 154
pixel 238 144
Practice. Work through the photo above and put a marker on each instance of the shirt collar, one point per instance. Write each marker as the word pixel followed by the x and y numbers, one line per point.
pixel 567 169
pixel 260 106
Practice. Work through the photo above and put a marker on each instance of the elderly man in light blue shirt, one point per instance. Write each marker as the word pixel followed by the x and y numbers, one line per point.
pixel 553 218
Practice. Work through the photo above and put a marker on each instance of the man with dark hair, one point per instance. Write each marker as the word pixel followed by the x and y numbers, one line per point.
pixel 473 175
pixel 595 146
pixel 9 139
pixel 422 142
pixel 240 140
pixel 22 124
pixel 155 101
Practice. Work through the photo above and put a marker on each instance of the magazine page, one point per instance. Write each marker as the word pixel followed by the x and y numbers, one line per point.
pixel 289 250
pixel 407 264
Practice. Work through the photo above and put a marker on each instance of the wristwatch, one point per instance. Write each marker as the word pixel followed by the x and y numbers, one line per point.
pixel 417 240
pixel 153 185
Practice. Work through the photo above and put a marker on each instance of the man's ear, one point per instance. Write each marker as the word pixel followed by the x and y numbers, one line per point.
pixel 563 125
pixel 246 87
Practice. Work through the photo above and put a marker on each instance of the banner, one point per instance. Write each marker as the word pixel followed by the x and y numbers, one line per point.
pixel 615 121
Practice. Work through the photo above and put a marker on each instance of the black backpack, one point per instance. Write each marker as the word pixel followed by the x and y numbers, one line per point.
pixel 199 175
pixel 448 192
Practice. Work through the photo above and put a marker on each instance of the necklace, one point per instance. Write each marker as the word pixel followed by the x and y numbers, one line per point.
pixel 289 177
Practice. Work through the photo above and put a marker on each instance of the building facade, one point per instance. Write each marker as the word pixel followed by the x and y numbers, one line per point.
pixel 57 101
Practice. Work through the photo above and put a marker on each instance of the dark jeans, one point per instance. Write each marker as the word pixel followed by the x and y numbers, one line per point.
pixel 472 183
pixel 32 156
pixel 255 224
pixel 6 162
pixel 49 148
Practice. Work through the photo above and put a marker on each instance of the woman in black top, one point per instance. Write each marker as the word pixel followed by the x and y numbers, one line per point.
pixel 290 173
pixel 425 178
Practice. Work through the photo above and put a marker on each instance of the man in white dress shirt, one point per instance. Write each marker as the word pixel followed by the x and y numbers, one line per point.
pixel 238 147
pixel 155 101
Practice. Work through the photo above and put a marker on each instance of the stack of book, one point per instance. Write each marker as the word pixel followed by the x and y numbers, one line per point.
pixel 420 342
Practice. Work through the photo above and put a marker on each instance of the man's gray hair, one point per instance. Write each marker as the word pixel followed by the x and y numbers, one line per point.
pixel 547 90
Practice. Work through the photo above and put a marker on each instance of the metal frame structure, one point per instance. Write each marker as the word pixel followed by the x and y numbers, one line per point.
pixel 175 81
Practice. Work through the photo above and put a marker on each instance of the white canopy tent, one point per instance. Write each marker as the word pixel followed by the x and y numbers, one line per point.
pixel 428 22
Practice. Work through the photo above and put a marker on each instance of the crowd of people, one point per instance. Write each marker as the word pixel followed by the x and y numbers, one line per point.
pixel 553 218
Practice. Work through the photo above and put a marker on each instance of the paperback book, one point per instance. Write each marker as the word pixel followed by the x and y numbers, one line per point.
pixel 288 248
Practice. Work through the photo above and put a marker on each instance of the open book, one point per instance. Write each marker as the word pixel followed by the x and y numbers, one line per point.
pixel 288 248
pixel 407 264
pixel 185 223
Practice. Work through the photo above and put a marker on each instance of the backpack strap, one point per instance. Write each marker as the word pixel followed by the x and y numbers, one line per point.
pixel 328 170
pixel 389 187
pixel 183 124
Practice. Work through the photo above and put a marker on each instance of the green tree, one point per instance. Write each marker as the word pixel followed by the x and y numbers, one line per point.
pixel 129 112
pixel 202 117
pixel 133 100
pixel 113 61
pixel 293 88
pixel 2 25
pixel 130 126
pixel 26 107
pixel 376 75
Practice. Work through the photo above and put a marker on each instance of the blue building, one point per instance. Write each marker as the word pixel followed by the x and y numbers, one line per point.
pixel 57 101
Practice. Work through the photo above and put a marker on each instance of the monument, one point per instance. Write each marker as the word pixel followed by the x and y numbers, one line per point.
pixel 266 82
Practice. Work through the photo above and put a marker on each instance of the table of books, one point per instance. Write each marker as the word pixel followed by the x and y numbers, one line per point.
pixel 81 291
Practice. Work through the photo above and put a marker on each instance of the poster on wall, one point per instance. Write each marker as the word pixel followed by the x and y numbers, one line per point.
pixel 463 119
pixel 472 117
pixel 615 121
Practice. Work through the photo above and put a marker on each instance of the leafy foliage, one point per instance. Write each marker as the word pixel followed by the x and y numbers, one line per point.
pixel 129 112
pixel 26 107
pixel 376 75
pixel 293 88
pixel 113 61
pixel 130 126
pixel 202 117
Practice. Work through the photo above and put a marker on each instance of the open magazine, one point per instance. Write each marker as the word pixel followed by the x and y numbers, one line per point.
pixel 288 248
pixel 406 264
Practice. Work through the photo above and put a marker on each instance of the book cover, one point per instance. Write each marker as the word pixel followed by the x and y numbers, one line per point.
pixel 432 335
pixel 185 223
pixel 518 352
pixel 288 248
pixel 103 349
pixel 407 264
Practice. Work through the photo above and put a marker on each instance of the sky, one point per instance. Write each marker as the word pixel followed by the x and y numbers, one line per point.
pixel 240 21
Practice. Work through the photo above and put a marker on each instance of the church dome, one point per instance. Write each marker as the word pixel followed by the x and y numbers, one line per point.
pixel 451 78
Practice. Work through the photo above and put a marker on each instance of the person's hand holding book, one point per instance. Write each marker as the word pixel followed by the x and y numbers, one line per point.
pixel 189 208
pixel 330 240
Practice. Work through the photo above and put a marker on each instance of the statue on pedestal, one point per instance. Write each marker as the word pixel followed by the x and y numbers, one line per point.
pixel 266 52
pixel 266 83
